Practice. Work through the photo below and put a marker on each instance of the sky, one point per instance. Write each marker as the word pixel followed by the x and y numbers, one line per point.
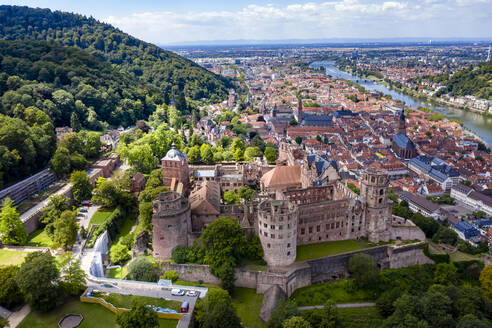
pixel 178 21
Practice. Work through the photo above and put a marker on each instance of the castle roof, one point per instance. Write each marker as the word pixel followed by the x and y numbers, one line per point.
pixel 282 176
pixel 206 199
pixel 174 154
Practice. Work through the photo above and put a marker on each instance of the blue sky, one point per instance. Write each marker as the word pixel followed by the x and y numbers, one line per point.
pixel 168 22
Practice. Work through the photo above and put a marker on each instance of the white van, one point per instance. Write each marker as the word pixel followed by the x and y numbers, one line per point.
pixel 177 292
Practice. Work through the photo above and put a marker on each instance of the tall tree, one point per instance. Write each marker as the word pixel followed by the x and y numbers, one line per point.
pixel 140 316
pixel 38 279
pixel 12 230
pixel 65 230
pixel 81 186
pixel 73 278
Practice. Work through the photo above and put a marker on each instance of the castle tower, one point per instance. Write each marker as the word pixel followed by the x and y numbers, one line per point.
pixel 299 110
pixel 175 166
pixel 277 228
pixel 171 222
pixel 374 189
pixel 402 129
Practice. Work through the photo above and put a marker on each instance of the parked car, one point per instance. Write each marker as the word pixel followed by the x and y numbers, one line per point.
pixel 191 293
pixel 83 210
pixel 177 292
pixel 86 203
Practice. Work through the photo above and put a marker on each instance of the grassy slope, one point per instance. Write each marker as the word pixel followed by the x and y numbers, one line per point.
pixel 248 305
pixel 313 251
pixel 39 238
pixel 95 315
pixel 338 291
pixel 8 257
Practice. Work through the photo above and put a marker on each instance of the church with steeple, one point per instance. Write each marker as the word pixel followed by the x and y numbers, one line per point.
pixel 402 146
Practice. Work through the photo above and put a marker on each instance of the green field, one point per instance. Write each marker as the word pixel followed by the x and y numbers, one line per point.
pixel 118 273
pixel 95 315
pixel 363 317
pixel 314 251
pixel 248 304
pixel 339 291
pixel 39 238
pixel 8 257
pixel 100 216
pixel 460 256
pixel 127 301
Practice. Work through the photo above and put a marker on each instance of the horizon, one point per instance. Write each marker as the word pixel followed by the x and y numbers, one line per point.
pixel 194 23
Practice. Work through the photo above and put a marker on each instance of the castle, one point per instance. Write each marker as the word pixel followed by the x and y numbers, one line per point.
pixel 299 204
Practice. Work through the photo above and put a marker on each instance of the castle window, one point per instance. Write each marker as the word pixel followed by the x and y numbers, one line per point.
pixel 272 227
pixel 265 233
pixel 288 245
pixel 268 245
pixel 288 253
pixel 280 236
pixel 265 225
pixel 380 200
pixel 327 227
pixel 280 227
pixel 352 229
pixel 272 236
pixel 326 235
pixel 381 192
pixel 303 231
pixel 373 179
pixel 310 229
pixel 338 225
pixel 318 228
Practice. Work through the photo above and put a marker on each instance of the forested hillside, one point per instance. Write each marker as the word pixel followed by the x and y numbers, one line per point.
pixel 166 70
pixel 69 84
pixel 473 80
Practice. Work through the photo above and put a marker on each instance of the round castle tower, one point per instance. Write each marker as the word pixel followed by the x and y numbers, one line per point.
pixel 277 228
pixel 171 222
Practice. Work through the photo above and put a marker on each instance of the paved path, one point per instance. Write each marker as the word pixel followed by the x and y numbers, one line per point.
pixel 342 305
pixel 164 293
pixel 38 207
pixel 16 317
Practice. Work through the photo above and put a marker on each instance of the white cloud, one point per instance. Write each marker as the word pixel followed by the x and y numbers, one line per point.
pixel 337 18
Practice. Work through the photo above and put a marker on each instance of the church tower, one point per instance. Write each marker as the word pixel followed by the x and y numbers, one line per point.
pixel 402 129
pixel 374 189
pixel 299 110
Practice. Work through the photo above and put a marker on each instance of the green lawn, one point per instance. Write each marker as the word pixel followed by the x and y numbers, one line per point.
pixel 460 256
pixel 364 317
pixel 339 291
pixel 118 273
pixel 95 315
pixel 126 301
pixel 39 238
pixel 125 228
pixel 248 304
pixel 314 251
pixel 100 216
pixel 8 257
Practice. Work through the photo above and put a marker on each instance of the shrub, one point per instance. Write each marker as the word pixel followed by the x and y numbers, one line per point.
pixel 170 275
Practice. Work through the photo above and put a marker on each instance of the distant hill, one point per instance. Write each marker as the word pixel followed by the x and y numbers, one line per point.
pixel 173 74
pixel 64 80
pixel 474 80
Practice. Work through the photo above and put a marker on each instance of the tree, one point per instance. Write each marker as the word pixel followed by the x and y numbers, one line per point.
pixel 75 122
pixel 445 235
pixel 180 255
pixel 142 158
pixel 119 253
pixel 194 155
pixel 239 155
pixel 471 321
pixel 206 154
pixel 222 315
pixel 60 163
pixel 142 270
pixel 106 193
pixel 92 144
pixel 298 140
pixel 140 316
pixel 364 269
pixel 81 186
pixel 73 278
pixel 38 280
pixel 445 274
pixel 296 322
pixel 486 281
pixel 283 311
pixel 10 294
pixel 230 197
pixel 12 230
pixel 251 152
pixel 246 193
pixel 171 275
pixel 65 230
pixel 216 310
pixel 271 155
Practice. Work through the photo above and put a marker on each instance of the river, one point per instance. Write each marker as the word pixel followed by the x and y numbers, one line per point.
pixel 475 122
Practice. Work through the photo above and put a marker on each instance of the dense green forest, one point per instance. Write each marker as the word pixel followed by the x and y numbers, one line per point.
pixel 175 75
pixel 70 85
pixel 473 80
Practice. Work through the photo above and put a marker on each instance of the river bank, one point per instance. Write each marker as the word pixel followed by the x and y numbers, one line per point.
pixel 475 123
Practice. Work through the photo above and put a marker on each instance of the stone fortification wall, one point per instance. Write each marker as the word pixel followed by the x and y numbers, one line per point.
pixel 301 274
